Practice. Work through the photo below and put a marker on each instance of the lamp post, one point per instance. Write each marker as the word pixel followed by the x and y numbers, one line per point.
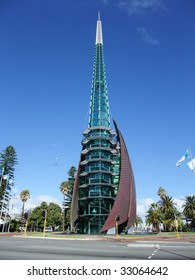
pixel 175 223
pixel 64 213
pixel 44 215
pixel 176 226
pixel 117 219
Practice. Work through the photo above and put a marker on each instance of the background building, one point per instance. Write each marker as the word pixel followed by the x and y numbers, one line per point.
pixel 104 187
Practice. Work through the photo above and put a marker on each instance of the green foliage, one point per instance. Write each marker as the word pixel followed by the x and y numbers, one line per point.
pixel 54 215
pixel 165 212
pixel 138 221
pixel 35 219
pixel 71 178
pixel 24 196
pixel 53 218
pixel 189 209
pixel 154 216
pixel 14 226
pixel 161 192
pixel 8 160
pixel 66 187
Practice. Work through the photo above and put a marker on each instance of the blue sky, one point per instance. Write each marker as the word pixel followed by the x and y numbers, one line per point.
pixel 46 54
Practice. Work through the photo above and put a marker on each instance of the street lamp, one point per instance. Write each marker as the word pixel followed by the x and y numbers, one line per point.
pixel 44 215
pixel 117 219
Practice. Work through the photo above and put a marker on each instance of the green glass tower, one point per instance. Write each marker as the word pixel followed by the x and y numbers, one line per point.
pixel 99 108
pixel 97 182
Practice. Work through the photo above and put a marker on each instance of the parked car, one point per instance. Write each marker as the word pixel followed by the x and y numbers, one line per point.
pixel 50 228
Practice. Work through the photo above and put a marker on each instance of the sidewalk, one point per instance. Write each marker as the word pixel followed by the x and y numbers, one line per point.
pixel 159 238
pixel 162 237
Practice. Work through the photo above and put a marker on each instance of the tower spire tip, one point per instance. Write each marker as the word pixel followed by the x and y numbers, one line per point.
pixel 99 15
pixel 99 38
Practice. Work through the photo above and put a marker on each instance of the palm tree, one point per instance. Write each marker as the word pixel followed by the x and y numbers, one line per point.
pixel 168 205
pixel 161 192
pixel 154 216
pixel 64 187
pixel 189 208
pixel 24 196
pixel 168 210
pixel 138 221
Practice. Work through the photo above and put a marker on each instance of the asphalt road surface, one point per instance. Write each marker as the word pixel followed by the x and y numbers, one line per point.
pixel 24 248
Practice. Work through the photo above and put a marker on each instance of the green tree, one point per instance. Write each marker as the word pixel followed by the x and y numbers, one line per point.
pixel 8 160
pixel 53 218
pixel 71 180
pixel 24 196
pixel 167 208
pixel 66 187
pixel 35 219
pixel 161 192
pixel 72 172
pixel 138 221
pixel 154 216
pixel 189 209
pixel 14 225
pixel 64 190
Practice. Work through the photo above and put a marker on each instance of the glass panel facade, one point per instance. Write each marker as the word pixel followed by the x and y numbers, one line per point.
pixel 99 154
pixel 99 106
pixel 99 178
pixel 97 191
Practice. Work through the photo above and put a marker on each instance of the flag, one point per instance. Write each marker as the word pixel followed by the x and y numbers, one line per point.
pixel 183 158
pixel 180 161
pixel 191 164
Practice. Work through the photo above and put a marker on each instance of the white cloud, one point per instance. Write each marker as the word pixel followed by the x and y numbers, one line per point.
pixel 141 6
pixel 16 204
pixel 32 203
pixel 147 37
pixel 179 202
pixel 143 206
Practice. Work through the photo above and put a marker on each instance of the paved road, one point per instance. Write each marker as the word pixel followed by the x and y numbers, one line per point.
pixel 21 248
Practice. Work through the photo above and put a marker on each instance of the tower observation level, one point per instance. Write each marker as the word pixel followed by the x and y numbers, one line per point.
pixel 104 185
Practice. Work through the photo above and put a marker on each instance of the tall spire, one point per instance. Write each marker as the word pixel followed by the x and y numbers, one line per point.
pixel 104 184
pixel 99 37
pixel 99 107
